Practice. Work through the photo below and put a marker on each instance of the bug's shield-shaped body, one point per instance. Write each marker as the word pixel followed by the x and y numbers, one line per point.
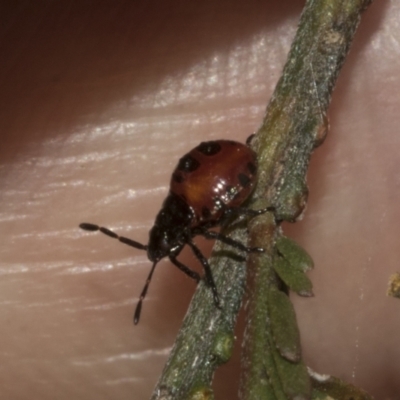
pixel 214 176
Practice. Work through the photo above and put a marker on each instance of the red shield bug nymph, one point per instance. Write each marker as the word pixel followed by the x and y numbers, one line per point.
pixel 209 184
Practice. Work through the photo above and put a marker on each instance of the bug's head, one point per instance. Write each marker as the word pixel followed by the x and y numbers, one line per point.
pixel 161 242
pixel 171 228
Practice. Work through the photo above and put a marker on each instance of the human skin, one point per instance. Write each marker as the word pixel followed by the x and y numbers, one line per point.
pixel 98 102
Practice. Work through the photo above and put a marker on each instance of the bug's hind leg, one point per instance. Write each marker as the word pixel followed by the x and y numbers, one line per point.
pixel 231 242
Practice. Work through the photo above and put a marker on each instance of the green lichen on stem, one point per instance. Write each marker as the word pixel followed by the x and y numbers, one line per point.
pixel 294 125
pixel 330 388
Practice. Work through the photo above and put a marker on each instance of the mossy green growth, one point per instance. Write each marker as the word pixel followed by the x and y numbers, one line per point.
pixel 201 393
pixel 332 388
pixel 294 254
pixel 223 347
pixel 294 277
pixel 285 333
pixel 290 378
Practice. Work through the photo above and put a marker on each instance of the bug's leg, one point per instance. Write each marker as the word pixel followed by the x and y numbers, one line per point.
pixel 230 242
pixel 138 310
pixel 249 139
pixel 94 228
pixel 207 270
pixel 239 211
pixel 190 273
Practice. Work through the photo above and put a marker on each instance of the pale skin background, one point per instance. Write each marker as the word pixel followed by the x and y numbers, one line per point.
pixel 99 99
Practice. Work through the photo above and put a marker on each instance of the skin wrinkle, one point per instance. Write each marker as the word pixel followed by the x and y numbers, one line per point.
pixel 93 122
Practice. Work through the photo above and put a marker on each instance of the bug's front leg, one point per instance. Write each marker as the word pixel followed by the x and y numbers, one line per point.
pixel 189 272
pixel 207 271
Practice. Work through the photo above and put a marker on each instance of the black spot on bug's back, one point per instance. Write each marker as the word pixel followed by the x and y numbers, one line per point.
pixel 209 148
pixel 177 178
pixel 205 213
pixel 252 168
pixel 188 164
pixel 244 180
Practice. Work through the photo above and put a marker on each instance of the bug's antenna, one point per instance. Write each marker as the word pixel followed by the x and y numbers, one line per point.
pixel 138 310
pixel 94 228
